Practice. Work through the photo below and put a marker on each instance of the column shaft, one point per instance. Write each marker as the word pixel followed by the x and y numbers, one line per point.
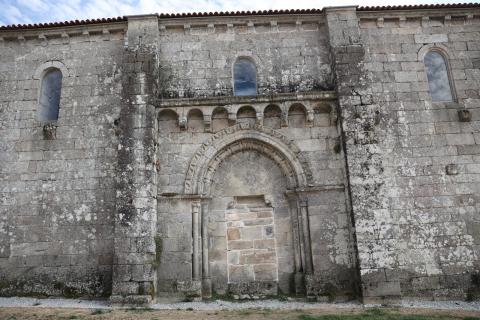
pixel 195 236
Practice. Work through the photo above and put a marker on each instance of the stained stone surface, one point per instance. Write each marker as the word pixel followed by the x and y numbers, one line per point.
pixel 130 193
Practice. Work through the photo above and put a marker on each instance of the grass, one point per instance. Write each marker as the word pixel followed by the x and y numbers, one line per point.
pixel 140 310
pixel 246 314
pixel 378 314
pixel 100 311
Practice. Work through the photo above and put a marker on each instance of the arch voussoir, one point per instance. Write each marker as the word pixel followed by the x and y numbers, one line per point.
pixel 240 138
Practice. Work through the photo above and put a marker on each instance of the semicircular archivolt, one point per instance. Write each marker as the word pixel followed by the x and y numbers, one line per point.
pixel 245 137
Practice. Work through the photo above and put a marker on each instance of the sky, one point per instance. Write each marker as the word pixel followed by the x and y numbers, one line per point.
pixel 35 11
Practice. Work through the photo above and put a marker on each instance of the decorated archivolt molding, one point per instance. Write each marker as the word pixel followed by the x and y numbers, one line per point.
pixel 439 47
pixel 44 67
pixel 243 137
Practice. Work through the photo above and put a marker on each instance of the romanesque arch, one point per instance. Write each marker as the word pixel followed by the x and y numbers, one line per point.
pixel 245 137
pixel 275 214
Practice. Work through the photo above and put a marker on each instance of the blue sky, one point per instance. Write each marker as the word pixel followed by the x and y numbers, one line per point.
pixel 33 11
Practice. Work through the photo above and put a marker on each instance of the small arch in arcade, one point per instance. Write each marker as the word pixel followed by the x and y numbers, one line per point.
pixel 219 119
pixel 195 121
pixel 272 117
pixel 246 114
pixel 322 115
pixel 297 116
pixel 168 121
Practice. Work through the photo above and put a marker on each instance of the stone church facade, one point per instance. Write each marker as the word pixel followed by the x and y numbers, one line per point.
pixel 329 154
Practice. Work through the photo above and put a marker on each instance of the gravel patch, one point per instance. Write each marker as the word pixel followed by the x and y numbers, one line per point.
pixel 53 303
pixel 231 305
pixel 254 304
pixel 448 305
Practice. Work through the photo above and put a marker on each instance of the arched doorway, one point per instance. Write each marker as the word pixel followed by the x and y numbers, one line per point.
pixel 253 241
pixel 249 206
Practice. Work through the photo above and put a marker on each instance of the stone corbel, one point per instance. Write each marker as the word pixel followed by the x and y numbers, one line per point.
pixel 65 38
pixel 425 21
pixel 187 28
pixel 298 25
pixel 207 122
pixel 259 119
pixel 251 26
pixel 182 122
pixel 447 20
pixel 105 35
pixel 211 28
pixel 232 118
pixel 284 119
pixel 469 19
pixel 402 22
pixel 274 26
pixel 380 22
pixel 21 39
pixel 86 35
pixel 310 117
pixel 43 39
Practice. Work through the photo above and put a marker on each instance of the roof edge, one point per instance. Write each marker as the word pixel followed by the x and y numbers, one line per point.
pixel 62 24
pixel 233 14
pixel 421 7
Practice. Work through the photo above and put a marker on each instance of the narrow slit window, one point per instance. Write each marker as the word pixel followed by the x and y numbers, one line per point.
pixel 438 79
pixel 50 95
pixel 245 78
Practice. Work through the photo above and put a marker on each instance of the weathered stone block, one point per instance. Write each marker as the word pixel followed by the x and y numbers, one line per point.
pixel 240 273
pixel 430 38
pixel 233 234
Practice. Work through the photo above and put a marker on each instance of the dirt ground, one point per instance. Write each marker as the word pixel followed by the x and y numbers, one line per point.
pixel 248 314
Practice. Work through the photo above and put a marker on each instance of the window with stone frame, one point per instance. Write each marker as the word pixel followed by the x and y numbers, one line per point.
pixel 245 77
pixel 438 77
pixel 50 91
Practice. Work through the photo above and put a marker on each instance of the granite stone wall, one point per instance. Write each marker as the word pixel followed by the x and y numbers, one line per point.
pixel 341 179
pixel 57 189
pixel 429 156
pixel 197 55
pixel 254 168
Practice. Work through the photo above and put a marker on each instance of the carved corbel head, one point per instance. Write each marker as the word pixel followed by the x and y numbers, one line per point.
pixel 310 117
pixel 207 122
pixel 259 119
pixel 232 117
pixel 284 119
pixel 182 122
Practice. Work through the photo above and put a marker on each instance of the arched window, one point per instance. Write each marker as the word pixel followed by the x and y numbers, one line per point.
pixel 245 78
pixel 50 95
pixel 437 74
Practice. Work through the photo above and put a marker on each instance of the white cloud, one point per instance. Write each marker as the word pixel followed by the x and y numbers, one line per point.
pixel 26 11
pixel 35 5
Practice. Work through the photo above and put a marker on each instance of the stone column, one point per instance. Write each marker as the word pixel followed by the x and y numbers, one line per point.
pixel 134 274
pixel 195 239
pixel 358 112
pixel 307 250
pixel 308 269
pixel 206 281
pixel 299 281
